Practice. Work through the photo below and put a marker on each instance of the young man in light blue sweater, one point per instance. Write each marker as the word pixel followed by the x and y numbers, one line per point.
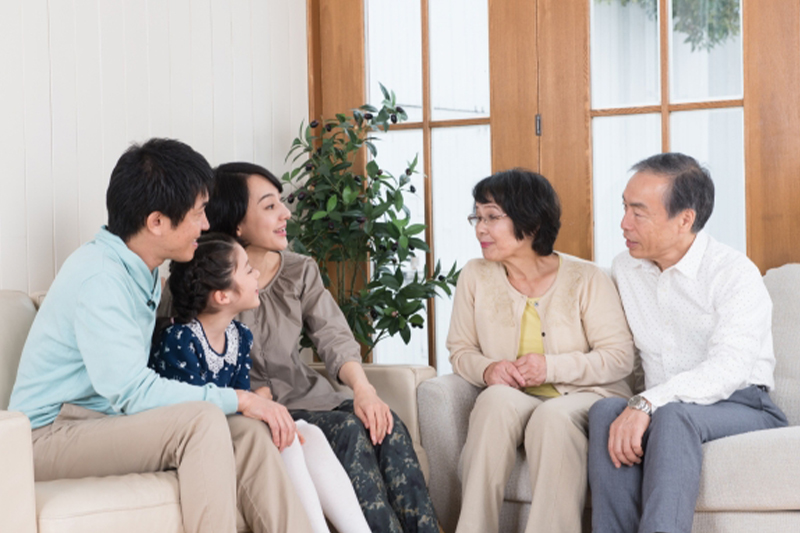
pixel 96 408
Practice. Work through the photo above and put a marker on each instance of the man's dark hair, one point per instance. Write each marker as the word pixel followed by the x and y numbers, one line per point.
pixel 162 175
pixel 529 201
pixel 227 206
pixel 692 187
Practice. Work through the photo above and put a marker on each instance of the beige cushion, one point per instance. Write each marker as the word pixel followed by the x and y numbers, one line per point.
pixel 16 316
pixel 17 508
pixel 783 285
pixel 134 503
pixel 756 471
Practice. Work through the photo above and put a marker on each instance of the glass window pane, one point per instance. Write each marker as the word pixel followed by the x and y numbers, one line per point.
pixel 715 138
pixel 618 143
pixel 625 54
pixel 395 150
pixel 706 50
pixel 461 157
pixel 394 53
pixel 459 58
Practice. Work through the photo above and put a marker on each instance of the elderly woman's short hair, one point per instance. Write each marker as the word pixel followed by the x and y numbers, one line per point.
pixel 529 201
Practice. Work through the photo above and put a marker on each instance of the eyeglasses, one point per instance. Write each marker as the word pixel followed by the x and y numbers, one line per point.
pixel 487 221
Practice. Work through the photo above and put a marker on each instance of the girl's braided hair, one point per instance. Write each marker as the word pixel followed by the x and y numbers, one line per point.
pixel 211 269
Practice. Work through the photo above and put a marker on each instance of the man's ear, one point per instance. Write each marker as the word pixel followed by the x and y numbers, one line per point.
pixel 156 222
pixel 687 218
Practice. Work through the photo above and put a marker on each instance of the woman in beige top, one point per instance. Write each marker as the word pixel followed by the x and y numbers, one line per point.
pixel 546 335
pixel 368 438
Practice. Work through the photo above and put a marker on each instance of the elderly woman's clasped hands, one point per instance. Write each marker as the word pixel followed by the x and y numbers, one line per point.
pixel 529 370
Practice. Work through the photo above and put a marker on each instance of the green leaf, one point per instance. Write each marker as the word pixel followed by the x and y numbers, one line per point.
pixel 341 117
pixel 413 229
pixel 384 91
pixel 398 202
pixel 403 242
pixel 372 149
pixel 390 282
pixel 405 333
pixel 319 214
pixel 332 201
pixel 372 169
pixel 348 195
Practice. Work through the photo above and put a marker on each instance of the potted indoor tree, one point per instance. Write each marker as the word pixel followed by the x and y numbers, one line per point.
pixel 352 219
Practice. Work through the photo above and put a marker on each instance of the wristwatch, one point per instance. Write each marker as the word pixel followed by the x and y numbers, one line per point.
pixel 640 403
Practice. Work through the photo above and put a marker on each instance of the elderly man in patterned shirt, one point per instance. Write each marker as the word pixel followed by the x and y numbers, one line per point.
pixel 701 320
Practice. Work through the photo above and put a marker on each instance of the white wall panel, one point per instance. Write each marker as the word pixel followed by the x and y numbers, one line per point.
pixel 158 62
pixel 13 226
pixel 63 99
pixel 83 79
pixel 262 82
pixel 202 79
pixel 38 169
pixel 137 126
pixel 180 70
pixel 223 80
pixel 89 144
pixel 242 81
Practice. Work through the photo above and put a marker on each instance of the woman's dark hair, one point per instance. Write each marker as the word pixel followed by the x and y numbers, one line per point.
pixel 162 175
pixel 228 203
pixel 692 187
pixel 529 201
pixel 211 269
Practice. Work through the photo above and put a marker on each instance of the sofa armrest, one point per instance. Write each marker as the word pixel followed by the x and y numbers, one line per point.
pixel 445 404
pixel 756 471
pixel 17 496
pixel 397 386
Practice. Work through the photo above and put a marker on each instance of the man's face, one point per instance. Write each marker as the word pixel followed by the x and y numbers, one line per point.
pixel 649 232
pixel 180 241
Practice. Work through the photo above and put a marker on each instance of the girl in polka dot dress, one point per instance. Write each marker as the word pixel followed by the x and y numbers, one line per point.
pixel 205 345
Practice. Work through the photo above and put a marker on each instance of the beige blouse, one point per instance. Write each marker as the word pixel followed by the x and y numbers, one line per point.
pixel 587 343
pixel 297 298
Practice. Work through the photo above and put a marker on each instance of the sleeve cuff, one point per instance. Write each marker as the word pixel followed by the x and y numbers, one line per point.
pixel 230 402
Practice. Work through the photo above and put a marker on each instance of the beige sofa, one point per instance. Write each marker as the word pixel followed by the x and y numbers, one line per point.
pixel 750 482
pixel 134 503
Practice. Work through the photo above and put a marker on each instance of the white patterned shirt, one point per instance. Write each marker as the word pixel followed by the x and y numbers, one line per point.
pixel 703 327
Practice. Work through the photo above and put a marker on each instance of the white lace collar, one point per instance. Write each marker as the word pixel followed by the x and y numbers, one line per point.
pixel 215 361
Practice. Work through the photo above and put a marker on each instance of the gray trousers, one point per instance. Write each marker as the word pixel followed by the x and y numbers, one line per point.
pixel 660 493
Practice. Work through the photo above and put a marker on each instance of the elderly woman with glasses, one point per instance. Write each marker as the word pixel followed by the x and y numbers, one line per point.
pixel 545 336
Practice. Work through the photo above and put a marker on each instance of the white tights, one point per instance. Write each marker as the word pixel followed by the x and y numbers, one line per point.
pixel 322 484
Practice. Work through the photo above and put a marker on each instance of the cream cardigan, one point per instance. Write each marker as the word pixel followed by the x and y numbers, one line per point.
pixel 587 343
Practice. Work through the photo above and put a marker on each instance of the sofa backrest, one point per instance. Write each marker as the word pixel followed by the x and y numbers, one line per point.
pixel 17 312
pixel 783 284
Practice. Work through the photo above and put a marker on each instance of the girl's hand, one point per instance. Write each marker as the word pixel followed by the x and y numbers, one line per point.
pixel 264 392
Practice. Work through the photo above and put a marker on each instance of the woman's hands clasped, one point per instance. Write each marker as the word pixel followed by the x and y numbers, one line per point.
pixel 530 370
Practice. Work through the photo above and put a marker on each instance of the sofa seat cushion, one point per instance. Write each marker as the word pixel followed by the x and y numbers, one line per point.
pixel 132 503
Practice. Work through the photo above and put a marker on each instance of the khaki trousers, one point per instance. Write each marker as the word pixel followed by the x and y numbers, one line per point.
pixel 556 445
pixel 210 452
